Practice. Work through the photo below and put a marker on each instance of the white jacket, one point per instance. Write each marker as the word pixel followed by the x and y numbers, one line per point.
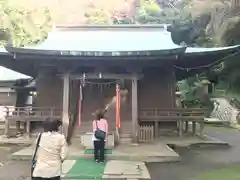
pixel 51 152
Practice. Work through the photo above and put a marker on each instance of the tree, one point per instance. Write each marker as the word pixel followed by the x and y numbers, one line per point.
pixel 98 16
pixel 21 26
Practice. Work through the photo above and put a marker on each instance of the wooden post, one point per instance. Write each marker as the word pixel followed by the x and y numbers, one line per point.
pixel 180 128
pixel 65 111
pixel 28 130
pixel 6 129
pixel 186 126
pixel 134 110
pixel 193 128
pixel 19 111
pixel 156 129
pixel 201 128
pixel 180 122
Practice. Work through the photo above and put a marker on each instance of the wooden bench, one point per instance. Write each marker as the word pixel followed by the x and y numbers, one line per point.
pixel 178 115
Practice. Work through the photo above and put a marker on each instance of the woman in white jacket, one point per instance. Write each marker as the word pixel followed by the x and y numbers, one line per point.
pixel 51 153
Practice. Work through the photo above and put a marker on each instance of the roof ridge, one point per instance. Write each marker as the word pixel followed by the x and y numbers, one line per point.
pixel 118 26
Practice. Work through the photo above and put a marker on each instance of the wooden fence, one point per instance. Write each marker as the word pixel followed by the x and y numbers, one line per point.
pixel 146 133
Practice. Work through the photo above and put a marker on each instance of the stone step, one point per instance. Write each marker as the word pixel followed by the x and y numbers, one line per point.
pixel 125 141
pixel 125 135
pixel 125 138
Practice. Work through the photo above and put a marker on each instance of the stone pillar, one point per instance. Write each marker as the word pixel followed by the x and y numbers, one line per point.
pixel 65 110
pixel 205 84
pixel 134 110
pixel 178 99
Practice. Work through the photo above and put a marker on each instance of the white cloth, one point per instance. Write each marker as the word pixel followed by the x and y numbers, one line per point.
pixel 51 152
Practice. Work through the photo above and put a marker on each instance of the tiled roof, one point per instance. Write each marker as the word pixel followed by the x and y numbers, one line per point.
pixel 10 75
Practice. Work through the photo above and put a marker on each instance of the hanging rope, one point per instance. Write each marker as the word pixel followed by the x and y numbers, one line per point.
pixel 101 83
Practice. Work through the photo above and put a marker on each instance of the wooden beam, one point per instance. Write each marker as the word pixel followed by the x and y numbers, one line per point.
pixel 65 112
pixel 106 76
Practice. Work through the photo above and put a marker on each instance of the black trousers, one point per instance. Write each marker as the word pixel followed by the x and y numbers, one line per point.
pixel 99 150
pixel 41 178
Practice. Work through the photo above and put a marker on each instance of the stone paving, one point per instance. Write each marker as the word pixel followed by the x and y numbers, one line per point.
pixel 158 152
pixel 125 170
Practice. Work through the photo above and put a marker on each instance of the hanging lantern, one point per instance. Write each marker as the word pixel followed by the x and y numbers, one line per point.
pixel 83 80
pixel 100 75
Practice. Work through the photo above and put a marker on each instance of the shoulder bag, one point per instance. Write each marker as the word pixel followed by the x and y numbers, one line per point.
pixel 99 134
pixel 34 161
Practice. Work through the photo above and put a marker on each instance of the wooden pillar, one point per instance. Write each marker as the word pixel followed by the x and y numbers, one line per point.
pixel 6 128
pixel 134 110
pixel 65 110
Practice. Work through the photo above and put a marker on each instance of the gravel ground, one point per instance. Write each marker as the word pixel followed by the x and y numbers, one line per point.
pixel 12 170
pixel 195 161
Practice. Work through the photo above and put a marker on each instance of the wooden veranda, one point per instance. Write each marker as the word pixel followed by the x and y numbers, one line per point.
pixel 28 115
pixel 182 117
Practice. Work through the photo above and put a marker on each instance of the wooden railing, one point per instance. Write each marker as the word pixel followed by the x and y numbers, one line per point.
pixel 179 115
pixel 28 115
pixel 39 112
pixel 171 114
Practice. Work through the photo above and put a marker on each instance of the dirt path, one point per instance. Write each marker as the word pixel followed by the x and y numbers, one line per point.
pixel 195 161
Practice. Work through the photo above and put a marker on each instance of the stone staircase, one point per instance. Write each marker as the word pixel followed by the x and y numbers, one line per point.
pixel 125 138
pixel 224 111
pixel 86 127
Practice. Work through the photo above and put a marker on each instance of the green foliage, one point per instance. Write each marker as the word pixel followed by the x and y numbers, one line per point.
pixel 23 27
pixel 98 16
pixel 193 93
pixel 151 13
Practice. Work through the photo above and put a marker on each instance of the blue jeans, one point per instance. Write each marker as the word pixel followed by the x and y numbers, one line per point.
pixel 99 150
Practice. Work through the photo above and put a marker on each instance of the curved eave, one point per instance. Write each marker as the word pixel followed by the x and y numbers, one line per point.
pixel 10 75
pixel 197 51
pixel 198 60
pixel 4 53
pixel 23 52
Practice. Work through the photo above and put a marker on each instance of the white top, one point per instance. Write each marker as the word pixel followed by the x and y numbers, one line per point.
pixel 51 152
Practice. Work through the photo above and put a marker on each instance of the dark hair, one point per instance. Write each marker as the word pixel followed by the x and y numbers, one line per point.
pixel 99 115
pixel 51 125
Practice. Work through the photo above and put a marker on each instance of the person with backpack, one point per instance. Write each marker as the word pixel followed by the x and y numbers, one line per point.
pixel 100 131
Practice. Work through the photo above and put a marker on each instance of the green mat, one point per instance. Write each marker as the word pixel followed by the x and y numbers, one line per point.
pixel 91 151
pixel 86 169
